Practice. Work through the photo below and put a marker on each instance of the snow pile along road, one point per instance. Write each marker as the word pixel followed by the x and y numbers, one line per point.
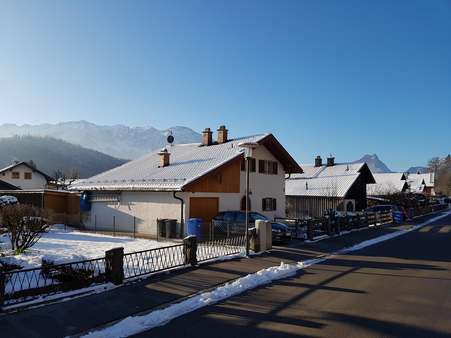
pixel 133 325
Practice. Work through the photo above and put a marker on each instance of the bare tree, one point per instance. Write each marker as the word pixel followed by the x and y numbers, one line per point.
pixel 64 179
pixel 25 225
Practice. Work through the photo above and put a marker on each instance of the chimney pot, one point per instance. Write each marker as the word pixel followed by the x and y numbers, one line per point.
pixel 207 139
pixel 330 161
pixel 318 161
pixel 164 157
pixel 222 134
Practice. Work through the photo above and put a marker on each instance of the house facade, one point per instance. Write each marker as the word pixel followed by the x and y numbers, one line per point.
pixel 388 184
pixel 422 183
pixel 340 187
pixel 189 181
pixel 24 176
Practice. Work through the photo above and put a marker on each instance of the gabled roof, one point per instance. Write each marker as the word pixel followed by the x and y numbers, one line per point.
pixel 387 183
pixel 326 181
pixel 188 162
pixel 416 180
pixel 12 166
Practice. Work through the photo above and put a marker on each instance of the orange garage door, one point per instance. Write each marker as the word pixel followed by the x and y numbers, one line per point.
pixel 203 207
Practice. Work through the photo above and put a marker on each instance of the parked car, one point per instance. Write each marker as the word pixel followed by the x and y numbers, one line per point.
pixel 6 200
pixel 397 213
pixel 233 222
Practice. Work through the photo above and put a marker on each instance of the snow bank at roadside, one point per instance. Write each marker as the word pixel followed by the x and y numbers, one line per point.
pixel 135 324
pixel 62 246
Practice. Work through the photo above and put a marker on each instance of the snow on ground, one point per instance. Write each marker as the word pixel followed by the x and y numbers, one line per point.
pixel 62 246
pixel 136 324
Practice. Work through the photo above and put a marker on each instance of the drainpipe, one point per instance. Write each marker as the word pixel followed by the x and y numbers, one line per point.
pixel 182 202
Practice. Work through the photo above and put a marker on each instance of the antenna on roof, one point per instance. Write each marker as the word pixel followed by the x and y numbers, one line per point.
pixel 170 138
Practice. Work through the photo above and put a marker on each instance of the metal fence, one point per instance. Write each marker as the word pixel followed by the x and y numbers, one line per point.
pixel 20 286
pixel 220 247
pixel 314 228
pixel 147 261
pixel 28 284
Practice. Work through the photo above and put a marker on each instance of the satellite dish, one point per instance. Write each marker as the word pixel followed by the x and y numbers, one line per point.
pixel 170 138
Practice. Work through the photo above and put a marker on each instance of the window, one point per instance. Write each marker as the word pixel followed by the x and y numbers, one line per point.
pixel 243 203
pixel 262 169
pixel 268 167
pixel 269 204
pixel 3 174
pixel 15 175
pixel 27 176
pixel 252 165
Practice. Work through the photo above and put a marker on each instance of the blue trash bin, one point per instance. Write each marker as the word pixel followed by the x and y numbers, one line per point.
pixel 194 226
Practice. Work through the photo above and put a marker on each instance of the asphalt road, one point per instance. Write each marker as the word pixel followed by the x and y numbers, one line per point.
pixel 398 288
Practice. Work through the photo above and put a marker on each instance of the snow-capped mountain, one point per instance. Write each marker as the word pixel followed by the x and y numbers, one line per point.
pixel 374 163
pixel 119 140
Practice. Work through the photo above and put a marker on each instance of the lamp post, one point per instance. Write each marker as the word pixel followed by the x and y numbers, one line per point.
pixel 248 147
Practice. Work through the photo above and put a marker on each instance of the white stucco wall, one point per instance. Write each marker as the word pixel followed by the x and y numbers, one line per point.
pixel 37 181
pixel 145 206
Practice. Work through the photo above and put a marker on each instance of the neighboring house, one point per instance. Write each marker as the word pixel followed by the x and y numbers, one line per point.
pixel 24 176
pixel 422 183
pixel 388 184
pixel 189 180
pixel 320 188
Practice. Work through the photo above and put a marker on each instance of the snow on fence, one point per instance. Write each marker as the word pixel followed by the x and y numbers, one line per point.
pixel 24 285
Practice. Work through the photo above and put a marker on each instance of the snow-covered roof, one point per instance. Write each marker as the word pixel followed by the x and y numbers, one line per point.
pixel 325 181
pixel 329 186
pixel 416 180
pixel 188 162
pixel 387 183
pixel 339 169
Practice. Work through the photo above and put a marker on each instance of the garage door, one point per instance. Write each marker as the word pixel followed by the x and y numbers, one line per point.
pixel 203 207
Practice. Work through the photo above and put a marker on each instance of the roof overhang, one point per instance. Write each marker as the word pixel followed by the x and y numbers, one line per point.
pixel 281 154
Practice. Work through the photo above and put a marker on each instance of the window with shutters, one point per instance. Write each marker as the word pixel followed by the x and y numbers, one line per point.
pixel 252 165
pixel 268 167
pixel 269 204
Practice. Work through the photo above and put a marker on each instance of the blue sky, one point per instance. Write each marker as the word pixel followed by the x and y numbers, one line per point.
pixel 340 77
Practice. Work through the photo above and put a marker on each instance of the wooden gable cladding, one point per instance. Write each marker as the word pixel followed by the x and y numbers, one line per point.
pixel 223 179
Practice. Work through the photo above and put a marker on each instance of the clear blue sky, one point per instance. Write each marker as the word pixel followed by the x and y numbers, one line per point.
pixel 340 77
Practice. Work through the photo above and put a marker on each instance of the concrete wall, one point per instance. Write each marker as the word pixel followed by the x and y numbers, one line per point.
pixel 37 181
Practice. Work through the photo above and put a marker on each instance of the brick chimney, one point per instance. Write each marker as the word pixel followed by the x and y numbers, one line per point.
pixel 222 134
pixel 207 139
pixel 330 161
pixel 164 157
pixel 318 161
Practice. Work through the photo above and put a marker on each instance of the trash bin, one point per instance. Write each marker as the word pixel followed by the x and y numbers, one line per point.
pixel 171 228
pixel 194 226
pixel 161 225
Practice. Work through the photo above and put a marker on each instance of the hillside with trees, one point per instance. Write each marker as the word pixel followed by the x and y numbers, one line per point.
pixel 52 155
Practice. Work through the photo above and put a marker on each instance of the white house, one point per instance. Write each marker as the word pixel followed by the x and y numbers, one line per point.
pixel 336 186
pixel 189 180
pixel 422 183
pixel 388 183
pixel 24 176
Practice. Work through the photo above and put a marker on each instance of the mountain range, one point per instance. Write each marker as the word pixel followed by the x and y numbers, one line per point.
pixel 95 148
pixel 118 141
